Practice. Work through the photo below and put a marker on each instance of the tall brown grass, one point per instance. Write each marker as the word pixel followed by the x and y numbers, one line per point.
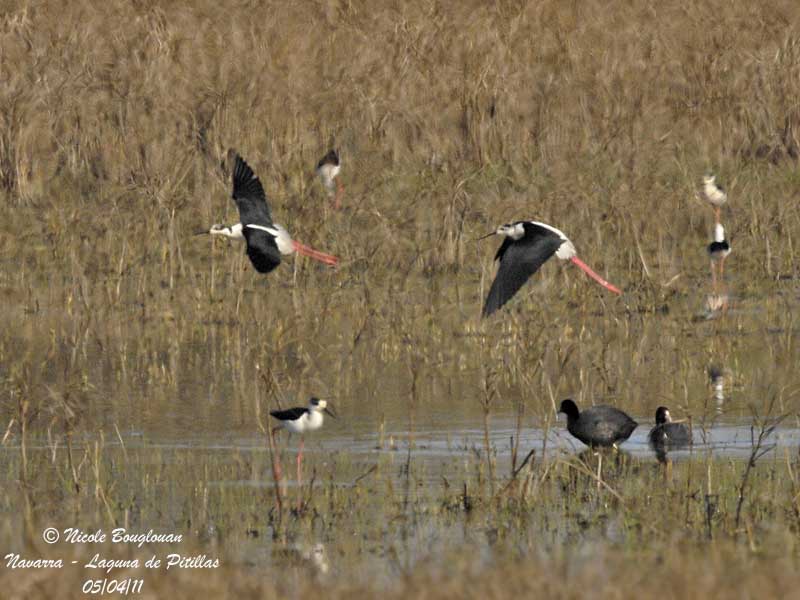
pixel 450 118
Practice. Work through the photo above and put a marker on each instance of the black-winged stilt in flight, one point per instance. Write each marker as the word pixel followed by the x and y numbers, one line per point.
pixel 714 193
pixel 328 168
pixel 301 420
pixel 526 247
pixel 266 241
pixel 718 250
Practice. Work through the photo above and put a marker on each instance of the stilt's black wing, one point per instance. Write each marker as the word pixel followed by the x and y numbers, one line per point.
pixel 290 414
pixel 331 158
pixel 518 261
pixel 248 193
pixel 262 249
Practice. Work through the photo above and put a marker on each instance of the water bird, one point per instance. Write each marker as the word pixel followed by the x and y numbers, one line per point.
pixel 714 193
pixel 526 247
pixel 598 425
pixel 305 418
pixel 301 420
pixel 312 558
pixel 328 168
pixel 717 378
pixel 718 250
pixel 667 433
pixel 266 241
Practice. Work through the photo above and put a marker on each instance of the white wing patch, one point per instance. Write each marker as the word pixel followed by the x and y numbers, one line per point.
pixel 270 230
pixel 282 238
pixel 567 248
pixel 558 232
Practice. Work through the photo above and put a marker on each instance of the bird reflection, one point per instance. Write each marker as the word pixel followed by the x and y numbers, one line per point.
pixel 312 558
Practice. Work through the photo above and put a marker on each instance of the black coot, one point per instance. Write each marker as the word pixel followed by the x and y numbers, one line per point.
pixel 666 433
pixel 598 425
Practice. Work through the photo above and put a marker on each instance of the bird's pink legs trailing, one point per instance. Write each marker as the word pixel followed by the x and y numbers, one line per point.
pixel 714 277
pixel 300 460
pixel 582 265
pixel 300 474
pixel 328 259
pixel 337 201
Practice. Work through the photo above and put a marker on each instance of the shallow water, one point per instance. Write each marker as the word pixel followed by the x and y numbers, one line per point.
pixel 436 449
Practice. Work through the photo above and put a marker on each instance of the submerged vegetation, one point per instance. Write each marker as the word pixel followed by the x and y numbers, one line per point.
pixel 138 363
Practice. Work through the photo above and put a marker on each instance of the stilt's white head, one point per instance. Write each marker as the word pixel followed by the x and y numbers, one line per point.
pixel 319 405
pixel 515 231
pixel 713 191
pixel 233 232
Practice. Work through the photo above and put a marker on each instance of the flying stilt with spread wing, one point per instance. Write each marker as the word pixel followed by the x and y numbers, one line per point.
pixel 328 169
pixel 526 247
pixel 266 241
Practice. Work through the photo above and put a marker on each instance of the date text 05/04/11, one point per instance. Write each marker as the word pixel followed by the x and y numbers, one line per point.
pixel 112 586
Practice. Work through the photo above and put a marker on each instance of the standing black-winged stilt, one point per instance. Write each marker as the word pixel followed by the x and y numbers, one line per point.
pixel 718 250
pixel 714 193
pixel 526 247
pixel 300 420
pixel 328 168
pixel 266 241
pixel 599 425
pixel 667 433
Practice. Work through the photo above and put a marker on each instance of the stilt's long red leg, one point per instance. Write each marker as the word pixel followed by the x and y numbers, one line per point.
pixel 328 259
pixel 300 474
pixel 714 277
pixel 337 201
pixel 586 269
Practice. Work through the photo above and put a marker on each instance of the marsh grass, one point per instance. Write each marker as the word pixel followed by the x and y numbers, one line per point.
pixel 220 499
pixel 123 333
